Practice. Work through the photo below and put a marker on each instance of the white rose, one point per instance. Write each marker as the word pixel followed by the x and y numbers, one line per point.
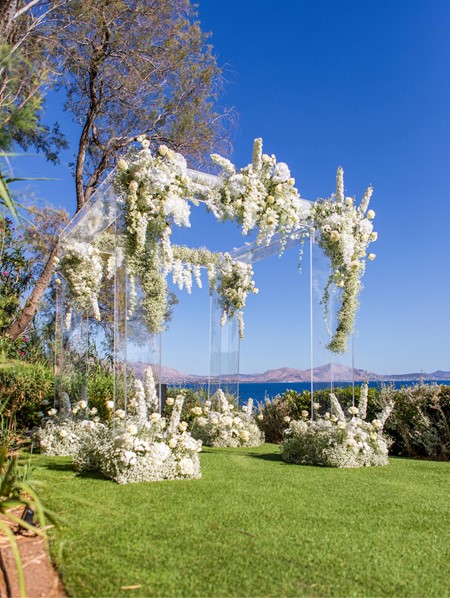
pixel 122 165
pixel 260 417
pixel 186 466
pixel 371 256
pixel 244 435
pixel 170 401
pixel 173 443
pixel 155 417
pixel 82 404
pixel 370 214
pixel 110 404
pixel 335 235
pixel 132 429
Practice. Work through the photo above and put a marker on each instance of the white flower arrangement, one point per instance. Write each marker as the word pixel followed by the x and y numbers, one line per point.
pixel 337 441
pixel 135 451
pixel 220 426
pixel 83 269
pixel 234 283
pixel 60 433
pixel 260 196
pixel 154 191
pixel 345 232
pixel 137 446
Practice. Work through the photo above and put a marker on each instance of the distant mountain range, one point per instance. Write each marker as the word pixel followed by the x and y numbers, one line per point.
pixel 323 373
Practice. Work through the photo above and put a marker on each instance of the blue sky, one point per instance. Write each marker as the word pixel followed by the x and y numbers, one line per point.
pixel 365 85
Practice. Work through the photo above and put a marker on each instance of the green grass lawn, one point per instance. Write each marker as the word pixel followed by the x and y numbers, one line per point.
pixel 254 526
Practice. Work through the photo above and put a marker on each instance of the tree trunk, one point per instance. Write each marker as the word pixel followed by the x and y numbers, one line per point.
pixel 8 9
pixel 31 306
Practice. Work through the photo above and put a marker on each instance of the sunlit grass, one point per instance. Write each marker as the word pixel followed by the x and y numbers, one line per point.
pixel 255 526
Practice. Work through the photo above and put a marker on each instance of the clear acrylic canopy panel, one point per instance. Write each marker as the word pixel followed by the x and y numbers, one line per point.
pixel 123 338
pixel 327 368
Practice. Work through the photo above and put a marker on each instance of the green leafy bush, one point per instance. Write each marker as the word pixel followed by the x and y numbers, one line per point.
pixel 28 390
pixel 420 422
pixel 275 414
pixel 192 398
pixel 101 390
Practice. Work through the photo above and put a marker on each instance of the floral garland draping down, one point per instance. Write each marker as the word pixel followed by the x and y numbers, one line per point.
pixel 333 440
pixel 345 233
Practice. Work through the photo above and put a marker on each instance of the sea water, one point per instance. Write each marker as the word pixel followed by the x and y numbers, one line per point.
pixel 261 390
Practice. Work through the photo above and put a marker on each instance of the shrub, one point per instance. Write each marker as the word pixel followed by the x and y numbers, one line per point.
pixel 334 440
pixel 420 422
pixel 275 414
pixel 28 390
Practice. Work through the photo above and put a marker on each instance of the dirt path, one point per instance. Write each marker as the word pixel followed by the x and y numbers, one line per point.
pixel 41 579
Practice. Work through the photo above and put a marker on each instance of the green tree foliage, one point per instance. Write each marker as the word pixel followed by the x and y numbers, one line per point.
pixel 26 67
pixel 137 67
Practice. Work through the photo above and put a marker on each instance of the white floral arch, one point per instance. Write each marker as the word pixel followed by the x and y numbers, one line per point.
pixel 153 193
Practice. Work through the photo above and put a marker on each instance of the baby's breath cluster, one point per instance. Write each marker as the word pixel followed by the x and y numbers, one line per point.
pixel 82 266
pixel 334 440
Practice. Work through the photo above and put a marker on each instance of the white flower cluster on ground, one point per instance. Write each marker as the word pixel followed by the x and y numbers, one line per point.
pixel 345 233
pixel 134 450
pixel 61 432
pixel 219 424
pixel 333 440
pixel 138 446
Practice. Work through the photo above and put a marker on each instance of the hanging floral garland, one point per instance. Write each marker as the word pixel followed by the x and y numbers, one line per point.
pixel 345 233
pixel 83 270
